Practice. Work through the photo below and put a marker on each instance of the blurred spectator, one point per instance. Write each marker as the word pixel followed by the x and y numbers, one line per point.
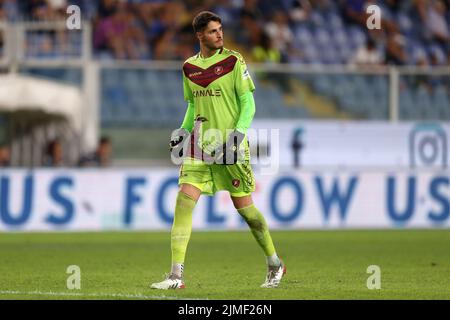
pixel 395 49
pixel 367 55
pixel 433 14
pixel 185 47
pixel 436 60
pixel 58 7
pixel 160 29
pixel 437 56
pixel 250 24
pixel 265 51
pixel 170 42
pixel 251 10
pixel 280 34
pixel 110 34
pixel 53 156
pixel 420 80
pixel 106 8
pixel 300 11
pixel 323 6
pixel 43 10
pixel 389 12
pixel 5 156
pixel 268 7
pixel 8 10
pixel 226 11
pixel 393 5
pixel 1 45
pixel 121 33
pixel 45 46
pixel 353 11
pixel 2 11
pixel 101 157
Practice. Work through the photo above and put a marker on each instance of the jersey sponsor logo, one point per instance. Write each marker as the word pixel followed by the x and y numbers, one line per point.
pixel 203 77
pixel 207 93
pixel 195 74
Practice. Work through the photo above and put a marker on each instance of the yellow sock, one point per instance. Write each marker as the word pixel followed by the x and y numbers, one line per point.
pixel 259 228
pixel 181 228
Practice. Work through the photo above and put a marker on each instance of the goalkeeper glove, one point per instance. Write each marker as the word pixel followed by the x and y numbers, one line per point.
pixel 229 153
pixel 176 146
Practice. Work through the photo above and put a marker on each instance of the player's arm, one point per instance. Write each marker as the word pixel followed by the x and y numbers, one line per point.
pixel 247 107
pixel 247 112
pixel 183 132
pixel 188 122
pixel 244 88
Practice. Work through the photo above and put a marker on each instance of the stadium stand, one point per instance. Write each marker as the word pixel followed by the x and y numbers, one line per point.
pixel 315 32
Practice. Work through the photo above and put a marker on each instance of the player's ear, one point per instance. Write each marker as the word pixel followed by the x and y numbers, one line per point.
pixel 199 35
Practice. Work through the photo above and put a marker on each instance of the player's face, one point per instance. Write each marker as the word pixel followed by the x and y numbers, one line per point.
pixel 212 36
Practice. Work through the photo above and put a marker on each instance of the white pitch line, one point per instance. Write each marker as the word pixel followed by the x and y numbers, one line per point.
pixel 105 295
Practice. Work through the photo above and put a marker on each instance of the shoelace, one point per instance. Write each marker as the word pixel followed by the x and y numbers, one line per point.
pixel 272 273
pixel 170 276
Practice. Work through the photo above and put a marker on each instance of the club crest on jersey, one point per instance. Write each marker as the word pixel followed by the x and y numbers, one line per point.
pixel 236 183
pixel 218 70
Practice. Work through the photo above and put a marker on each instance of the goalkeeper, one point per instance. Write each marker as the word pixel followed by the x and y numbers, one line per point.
pixel 213 145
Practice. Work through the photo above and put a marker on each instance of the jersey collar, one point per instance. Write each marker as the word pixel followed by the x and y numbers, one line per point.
pixel 219 51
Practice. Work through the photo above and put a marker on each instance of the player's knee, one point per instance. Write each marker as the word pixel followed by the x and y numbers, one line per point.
pixel 242 202
pixel 190 191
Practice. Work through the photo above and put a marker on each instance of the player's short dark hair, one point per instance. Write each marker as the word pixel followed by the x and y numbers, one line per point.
pixel 202 19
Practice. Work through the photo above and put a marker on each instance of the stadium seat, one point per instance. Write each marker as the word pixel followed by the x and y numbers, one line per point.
pixel 335 21
pixel 318 19
pixel 418 52
pixel 405 23
pixel 330 54
pixel 322 37
pixel 340 37
pixel 357 36
pixel 325 37
pixel 311 53
pixel 303 35
pixel 437 51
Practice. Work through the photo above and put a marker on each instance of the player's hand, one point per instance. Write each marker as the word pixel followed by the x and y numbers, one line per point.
pixel 229 152
pixel 176 146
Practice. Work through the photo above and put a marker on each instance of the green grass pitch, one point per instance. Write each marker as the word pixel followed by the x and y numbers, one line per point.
pixel 415 264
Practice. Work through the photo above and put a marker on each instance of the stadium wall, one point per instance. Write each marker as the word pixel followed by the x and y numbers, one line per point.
pixel 143 199
pixel 354 144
